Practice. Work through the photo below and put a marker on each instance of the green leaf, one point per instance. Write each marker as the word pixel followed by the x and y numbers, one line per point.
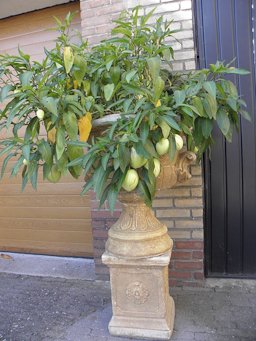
pixel 17 166
pixel 158 87
pixel 108 91
pixel 46 151
pixel 51 104
pixel 171 122
pixel 34 176
pixel 245 115
pixel 172 147
pixel 210 106
pixel 26 151
pixel 24 181
pixel 223 121
pixel 6 149
pixel 60 142
pixel 130 75
pixel 127 104
pixel 5 162
pixel 13 112
pixel 237 71
pixel 210 87
pixel 104 160
pixel 197 103
pixel 207 126
pixel 232 103
pixel 4 92
pixel 142 187
pixel 144 131
pixel 112 197
pixel 179 96
pixel 148 145
pixel 70 122
pixel 26 77
pixel 75 153
pixel 154 65
pixel 124 156
pixel 81 64
pixel 68 58
pixel 87 186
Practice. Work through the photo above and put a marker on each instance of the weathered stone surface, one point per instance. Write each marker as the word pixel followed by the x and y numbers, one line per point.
pixel 142 306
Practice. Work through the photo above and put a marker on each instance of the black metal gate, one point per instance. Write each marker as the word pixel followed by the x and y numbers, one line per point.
pixel 227 29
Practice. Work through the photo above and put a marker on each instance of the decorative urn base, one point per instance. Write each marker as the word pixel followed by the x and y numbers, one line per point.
pixel 138 253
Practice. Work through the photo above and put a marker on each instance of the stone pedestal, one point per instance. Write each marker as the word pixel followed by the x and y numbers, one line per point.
pixel 138 252
pixel 142 306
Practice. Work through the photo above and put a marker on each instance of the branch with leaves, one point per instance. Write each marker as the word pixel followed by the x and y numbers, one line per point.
pixel 51 107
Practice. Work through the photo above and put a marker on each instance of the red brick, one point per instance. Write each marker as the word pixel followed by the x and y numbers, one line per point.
pixel 186 265
pixel 98 224
pixel 189 245
pixel 100 234
pixel 197 255
pixel 199 275
pixel 172 283
pixel 99 244
pixel 105 214
pixel 181 255
pixel 180 275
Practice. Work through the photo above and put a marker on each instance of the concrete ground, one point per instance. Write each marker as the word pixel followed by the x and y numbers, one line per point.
pixel 39 308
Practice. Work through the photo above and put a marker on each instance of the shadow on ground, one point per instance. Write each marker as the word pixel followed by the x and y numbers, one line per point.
pixel 53 309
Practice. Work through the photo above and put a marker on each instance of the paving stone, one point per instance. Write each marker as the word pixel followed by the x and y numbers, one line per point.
pixel 53 309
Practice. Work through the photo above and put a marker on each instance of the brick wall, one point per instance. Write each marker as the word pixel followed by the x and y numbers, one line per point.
pixel 181 209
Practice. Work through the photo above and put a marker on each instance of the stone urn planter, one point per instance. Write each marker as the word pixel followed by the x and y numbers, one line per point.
pixel 138 252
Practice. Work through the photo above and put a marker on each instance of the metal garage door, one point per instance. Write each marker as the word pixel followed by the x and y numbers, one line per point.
pixel 55 220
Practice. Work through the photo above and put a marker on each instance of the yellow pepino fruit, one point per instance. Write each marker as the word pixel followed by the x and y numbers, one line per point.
pixel 85 126
pixel 51 135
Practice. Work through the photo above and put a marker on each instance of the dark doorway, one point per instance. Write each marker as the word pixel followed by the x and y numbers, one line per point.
pixel 226 29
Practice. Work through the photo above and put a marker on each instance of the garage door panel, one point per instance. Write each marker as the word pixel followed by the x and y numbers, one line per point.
pixel 45 201
pixel 55 219
pixel 49 212
pixel 33 22
pixel 75 250
pixel 46 224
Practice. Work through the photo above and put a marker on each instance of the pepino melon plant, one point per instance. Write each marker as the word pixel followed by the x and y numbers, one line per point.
pixel 51 108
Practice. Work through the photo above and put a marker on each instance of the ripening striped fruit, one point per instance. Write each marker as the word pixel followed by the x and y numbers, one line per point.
pixel 131 180
pixel 162 146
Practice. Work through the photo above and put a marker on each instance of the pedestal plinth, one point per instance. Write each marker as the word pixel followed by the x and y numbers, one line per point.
pixel 142 306
pixel 138 252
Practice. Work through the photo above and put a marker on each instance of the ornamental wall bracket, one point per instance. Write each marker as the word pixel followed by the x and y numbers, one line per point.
pixel 183 162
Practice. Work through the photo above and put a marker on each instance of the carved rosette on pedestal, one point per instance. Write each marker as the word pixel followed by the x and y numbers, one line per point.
pixel 138 252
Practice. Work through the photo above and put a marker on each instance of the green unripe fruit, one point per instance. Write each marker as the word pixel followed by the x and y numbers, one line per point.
pixel 157 167
pixel 179 141
pixel 54 175
pixel 25 162
pixel 131 180
pixel 137 161
pixel 162 146
pixel 40 114
pixel 16 91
